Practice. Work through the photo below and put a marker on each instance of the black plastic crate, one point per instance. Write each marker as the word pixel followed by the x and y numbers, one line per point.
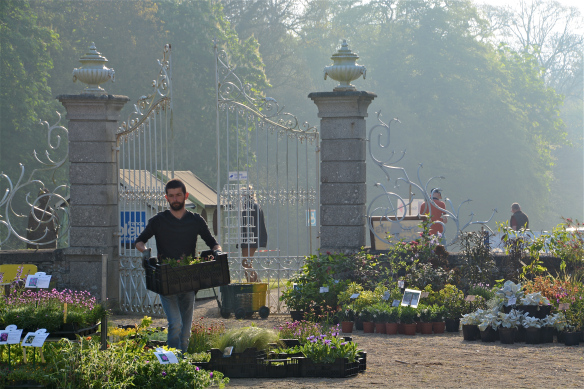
pixel 279 368
pixel 237 365
pixel 167 280
pixel 341 368
pixel 362 358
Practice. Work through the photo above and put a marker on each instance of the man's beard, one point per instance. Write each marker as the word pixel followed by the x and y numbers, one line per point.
pixel 177 206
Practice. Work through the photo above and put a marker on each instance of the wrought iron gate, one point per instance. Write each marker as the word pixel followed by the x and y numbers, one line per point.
pixel 268 176
pixel 145 162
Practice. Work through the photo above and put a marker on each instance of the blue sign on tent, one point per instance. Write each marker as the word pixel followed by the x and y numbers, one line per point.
pixel 132 224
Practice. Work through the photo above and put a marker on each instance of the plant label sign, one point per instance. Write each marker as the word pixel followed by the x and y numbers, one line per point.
pixel 11 335
pixel 512 301
pixel 395 303
pixel 411 298
pixel 385 296
pixel 470 297
pixel 165 357
pixel 424 295
pixel 324 289
pixel 564 306
pixel 355 295
pixel 400 284
pixel 38 280
pixel 35 339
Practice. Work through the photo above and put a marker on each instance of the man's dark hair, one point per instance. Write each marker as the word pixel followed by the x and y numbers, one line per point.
pixel 175 183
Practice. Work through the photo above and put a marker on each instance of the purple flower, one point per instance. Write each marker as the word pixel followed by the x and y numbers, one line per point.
pixel 197 368
pixel 210 374
pixel 164 374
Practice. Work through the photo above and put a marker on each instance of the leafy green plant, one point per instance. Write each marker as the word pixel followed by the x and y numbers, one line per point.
pixel 407 315
pixel 477 262
pixel 202 335
pixel 245 337
pixel 438 313
pixel 453 300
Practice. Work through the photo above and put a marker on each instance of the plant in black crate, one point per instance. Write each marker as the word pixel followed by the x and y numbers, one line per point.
pixel 489 325
pixel 574 323
pixel 532 326
pixel 470 325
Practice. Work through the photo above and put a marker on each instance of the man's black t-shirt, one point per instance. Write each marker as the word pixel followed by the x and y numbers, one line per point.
pixel 177 237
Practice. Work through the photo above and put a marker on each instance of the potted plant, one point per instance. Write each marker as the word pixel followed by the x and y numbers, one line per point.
pixel 425 316
pixel 406 317
pixel 346 317
pixel 380 317
pixel 438 314
pixel 489 325
pixel 392 319
pixel 532 326
pixel 547 328
pixel 366 317
pixel 536 305
pixel 510 293
pixel 470 325
pixel 574 323
pixel 453 299
pixel 509 323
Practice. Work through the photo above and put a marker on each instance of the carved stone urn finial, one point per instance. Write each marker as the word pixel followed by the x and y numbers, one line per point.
pixel 344 68
pixel 93 71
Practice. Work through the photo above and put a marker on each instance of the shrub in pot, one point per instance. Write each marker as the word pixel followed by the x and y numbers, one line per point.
pixel 425 317
pixel 470 325
pixel 406 317
pixel 438 314
pixel 392 319
pixel 509 323
pixel 489 324
pixel 532 326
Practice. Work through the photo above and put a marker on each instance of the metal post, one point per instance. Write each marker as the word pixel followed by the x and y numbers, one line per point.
pixel 104 301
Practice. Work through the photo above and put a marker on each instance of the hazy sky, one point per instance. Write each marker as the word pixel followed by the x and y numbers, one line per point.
pixel 571 3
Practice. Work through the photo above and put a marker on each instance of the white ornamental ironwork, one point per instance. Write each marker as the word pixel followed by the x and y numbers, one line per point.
pixel 46 207
pixel 390 207
pixel 268 155
pixel 145 162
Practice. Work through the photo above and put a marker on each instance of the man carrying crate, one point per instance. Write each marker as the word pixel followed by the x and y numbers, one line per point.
pixel 176 231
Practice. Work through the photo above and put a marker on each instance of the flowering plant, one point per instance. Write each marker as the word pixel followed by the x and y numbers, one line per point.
pixel 202 333
pixel 326 348
pixel 301 330
pixel 33 309
pixel 346 314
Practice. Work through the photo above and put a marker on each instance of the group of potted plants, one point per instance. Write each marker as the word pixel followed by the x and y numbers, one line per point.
pixel 515 316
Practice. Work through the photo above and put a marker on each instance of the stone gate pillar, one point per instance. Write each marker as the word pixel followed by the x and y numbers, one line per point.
pixel 343 191
pixel 93 122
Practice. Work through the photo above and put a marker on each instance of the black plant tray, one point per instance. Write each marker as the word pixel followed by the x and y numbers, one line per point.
pixel 279 368
pixel 167 280
pixel 341 368
pixel 71 330
pixel 238 365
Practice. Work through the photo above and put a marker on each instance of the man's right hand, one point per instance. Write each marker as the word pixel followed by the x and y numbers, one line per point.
pixel 146 254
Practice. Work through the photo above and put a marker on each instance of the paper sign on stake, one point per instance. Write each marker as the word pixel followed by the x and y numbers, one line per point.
pixel 324 289
pixel 470 297
pixel 395 303
pixel 386 295
pixel 424 295
pixel 165 357
pixel 400 284
pixel 38 280
pixel 35 339
pixel 355 295
pixel 13 335
pixel 512 300
pixel 564 306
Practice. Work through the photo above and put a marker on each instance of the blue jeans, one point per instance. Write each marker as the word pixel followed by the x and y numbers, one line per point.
pixel 179 311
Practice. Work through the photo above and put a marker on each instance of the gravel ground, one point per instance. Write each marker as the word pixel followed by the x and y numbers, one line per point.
pixel 426 361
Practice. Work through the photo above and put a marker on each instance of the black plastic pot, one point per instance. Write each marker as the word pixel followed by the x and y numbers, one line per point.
pixel 507 335
pixel 452 325
pixel 571 338
pixel 532 335
pixel 547 335
pixel 489 335
pixel 470 332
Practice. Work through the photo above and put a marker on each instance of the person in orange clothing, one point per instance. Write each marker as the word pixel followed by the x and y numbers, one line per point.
pixel 436 215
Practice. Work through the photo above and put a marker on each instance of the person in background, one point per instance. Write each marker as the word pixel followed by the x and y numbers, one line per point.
pixel 176 231
pixel 435 213
pixel 518 220
pixel 253 233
